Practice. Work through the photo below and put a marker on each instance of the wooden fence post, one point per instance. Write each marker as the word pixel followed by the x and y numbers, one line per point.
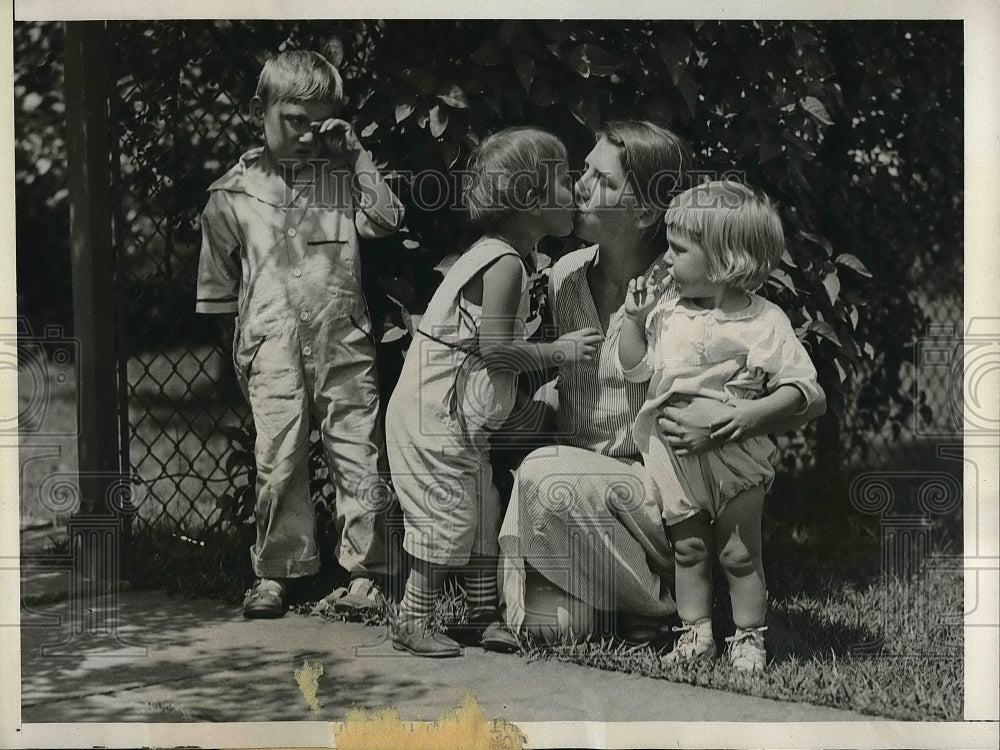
pixel 94 324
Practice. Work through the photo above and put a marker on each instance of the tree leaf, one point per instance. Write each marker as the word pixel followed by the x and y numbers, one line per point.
pixel 395 333
pixel 419 80
pixel 849 349
pixel 689 90
pixel 333 50
pixel 455 97
pixel 784 280
pixel 584 108
pixel 542 93
pixel 815 107
pixel 449 152
pixel 490 52
pixel 591 59
pixel 31 102
pixel 831 282
pixel 844 368
pixel 233 433
pixel 508 30
pixel 823 329
pixel 841 372
pixel 524 64
pixel 769 149
pixel 402 111
pixel 556 31
pixel 515 96
pixel 846 259
pixel 438 120
pixel 818 240
pixel 238 458
pixel 398 290
pixel 675 51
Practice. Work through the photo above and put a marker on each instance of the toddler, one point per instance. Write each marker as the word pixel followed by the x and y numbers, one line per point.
pixel 735 355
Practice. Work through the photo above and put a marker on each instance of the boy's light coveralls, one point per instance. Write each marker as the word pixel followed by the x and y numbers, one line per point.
pixel 285 259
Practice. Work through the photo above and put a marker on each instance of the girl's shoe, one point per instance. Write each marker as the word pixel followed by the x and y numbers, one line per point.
pixel 265 600
pixel 694 644
pixel 484 628
pixel 746 650
pixel 414 635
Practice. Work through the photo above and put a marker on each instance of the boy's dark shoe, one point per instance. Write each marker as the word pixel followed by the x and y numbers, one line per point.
pixel 265 600
pixel 414 635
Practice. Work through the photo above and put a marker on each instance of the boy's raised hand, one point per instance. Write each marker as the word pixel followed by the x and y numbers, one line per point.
pixel 579 346
pixel 338 138
pixel 640 298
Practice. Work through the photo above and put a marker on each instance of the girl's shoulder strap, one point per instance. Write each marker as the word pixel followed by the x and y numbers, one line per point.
pixel 480 255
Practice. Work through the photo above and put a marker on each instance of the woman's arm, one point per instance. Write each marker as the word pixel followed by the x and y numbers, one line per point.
pixel 754 417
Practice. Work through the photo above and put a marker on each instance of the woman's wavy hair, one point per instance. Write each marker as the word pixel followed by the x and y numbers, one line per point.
pixel 654 159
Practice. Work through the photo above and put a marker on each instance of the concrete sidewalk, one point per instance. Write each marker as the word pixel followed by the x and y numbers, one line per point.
pixel 180 660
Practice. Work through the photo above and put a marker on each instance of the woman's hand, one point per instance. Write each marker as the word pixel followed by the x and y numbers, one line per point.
pixel 578 346
pixel 747 420
pixel 640 298
pixel 687 426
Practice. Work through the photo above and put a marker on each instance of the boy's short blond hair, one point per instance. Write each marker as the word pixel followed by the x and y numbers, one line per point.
pixel 508 172
pixel 300 76
pixel 738 227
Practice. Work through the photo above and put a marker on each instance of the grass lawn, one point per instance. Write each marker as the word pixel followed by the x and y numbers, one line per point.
pixel 852 624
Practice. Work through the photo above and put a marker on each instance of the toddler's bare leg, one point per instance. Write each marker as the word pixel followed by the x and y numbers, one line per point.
pixel 694 546
pixel 737 534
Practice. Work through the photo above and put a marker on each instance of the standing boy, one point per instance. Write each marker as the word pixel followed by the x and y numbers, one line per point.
pixel 280 249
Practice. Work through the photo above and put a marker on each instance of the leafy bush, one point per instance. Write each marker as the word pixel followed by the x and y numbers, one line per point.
pixel 854 128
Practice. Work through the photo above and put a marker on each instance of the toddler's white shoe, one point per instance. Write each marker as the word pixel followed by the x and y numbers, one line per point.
pixel 746 650
pixel 695 643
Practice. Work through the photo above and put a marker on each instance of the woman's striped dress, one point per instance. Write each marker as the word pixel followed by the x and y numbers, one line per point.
pixel 583 513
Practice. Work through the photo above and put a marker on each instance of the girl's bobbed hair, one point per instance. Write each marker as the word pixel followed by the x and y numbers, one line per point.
pixel 738 227
pixel 300 76
pixel 508 172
